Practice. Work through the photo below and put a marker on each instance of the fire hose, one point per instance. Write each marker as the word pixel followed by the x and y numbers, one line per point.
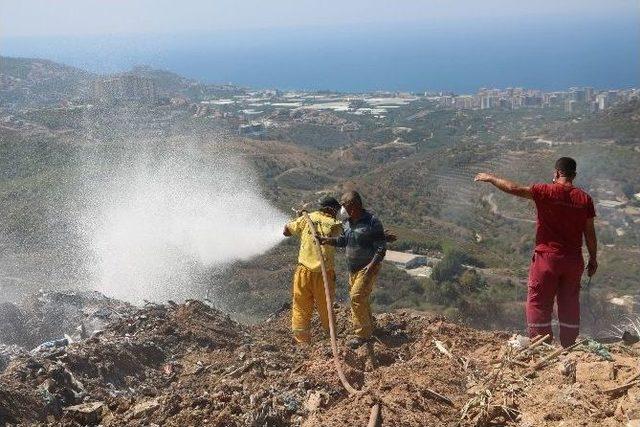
pixel 375 409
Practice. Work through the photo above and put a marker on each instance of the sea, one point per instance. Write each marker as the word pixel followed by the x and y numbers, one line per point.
pixel 548 54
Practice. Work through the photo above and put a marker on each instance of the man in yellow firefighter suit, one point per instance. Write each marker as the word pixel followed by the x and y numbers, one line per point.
pixel 308 286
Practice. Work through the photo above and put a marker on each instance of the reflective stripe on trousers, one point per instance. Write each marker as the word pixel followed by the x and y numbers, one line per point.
pixel 554 277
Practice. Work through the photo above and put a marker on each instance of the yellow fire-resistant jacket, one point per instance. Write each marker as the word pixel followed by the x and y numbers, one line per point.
pixel 326 226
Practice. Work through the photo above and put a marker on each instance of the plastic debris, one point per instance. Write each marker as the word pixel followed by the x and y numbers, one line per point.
pixel 51 345
pixel 188 364
pixel 291 402
pixel 630 338
pixel 599 349
pixel 519 342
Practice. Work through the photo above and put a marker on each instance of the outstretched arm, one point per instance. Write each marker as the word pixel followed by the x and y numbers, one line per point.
pixel 505 185
pixel 294 228
pixel 339 241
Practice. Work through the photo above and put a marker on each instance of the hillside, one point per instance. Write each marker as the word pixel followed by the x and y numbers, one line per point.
pixel 620 124
pixel 414 165
pixel 189 364
pixel 31 82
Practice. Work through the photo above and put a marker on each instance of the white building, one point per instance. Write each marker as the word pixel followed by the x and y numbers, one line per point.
pixel 602 100
pixel 406 260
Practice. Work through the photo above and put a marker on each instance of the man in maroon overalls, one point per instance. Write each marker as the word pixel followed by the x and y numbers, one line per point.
pixel 564 214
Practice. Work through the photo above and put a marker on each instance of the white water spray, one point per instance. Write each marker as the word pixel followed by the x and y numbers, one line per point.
pixel 160 221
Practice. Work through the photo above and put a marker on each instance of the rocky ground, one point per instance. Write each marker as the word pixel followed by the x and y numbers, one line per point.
pixel 190 365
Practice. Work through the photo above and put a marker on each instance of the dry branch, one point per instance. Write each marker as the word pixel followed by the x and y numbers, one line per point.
pixel 438 396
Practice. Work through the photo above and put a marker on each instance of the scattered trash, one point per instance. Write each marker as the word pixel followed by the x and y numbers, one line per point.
pixel 47 316
pixel 188 364
pixel 441 347
pixel 438 396
pixel 519 342
pixel 599 349
pixel 291 402
pixel 51 345
pixel 630 338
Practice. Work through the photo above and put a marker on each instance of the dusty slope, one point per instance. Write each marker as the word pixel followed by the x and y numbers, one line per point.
pixel 180 365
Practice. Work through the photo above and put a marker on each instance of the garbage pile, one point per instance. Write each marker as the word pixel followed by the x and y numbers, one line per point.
pixel 48 316
pixel 189 364
pixel 8 353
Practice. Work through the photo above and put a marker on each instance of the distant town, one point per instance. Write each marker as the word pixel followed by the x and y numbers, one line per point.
pixel 512 98
pixel 135 87
pixel 254 108
pixel 253 105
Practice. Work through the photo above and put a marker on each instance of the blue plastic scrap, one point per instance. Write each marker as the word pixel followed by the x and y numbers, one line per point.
pixel 599 349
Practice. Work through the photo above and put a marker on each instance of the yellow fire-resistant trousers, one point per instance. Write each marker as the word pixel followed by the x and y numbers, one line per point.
pixel 308 290
pixel 360 287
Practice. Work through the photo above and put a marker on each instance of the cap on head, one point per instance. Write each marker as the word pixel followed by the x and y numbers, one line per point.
pixel 328 202
pixel 566 166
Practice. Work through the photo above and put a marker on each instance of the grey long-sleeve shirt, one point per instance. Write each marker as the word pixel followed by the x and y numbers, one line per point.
pixel 363 239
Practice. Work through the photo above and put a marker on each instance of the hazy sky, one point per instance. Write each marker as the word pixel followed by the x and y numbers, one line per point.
pixel 103 17
pixel 346 45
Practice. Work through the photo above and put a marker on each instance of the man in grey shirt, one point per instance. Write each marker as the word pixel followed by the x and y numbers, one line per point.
pixel 365 243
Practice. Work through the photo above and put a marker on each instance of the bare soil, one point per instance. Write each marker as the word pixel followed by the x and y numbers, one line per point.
pixel 190 365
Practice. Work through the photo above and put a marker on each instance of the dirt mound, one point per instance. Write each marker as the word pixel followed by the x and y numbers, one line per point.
pixel 45 316
pixel 188 364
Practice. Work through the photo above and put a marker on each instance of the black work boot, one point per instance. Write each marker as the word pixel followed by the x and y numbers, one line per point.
pixel 356 342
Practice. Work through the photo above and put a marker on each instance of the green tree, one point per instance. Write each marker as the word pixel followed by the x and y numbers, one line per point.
pixel 471 281
pixel 449 267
